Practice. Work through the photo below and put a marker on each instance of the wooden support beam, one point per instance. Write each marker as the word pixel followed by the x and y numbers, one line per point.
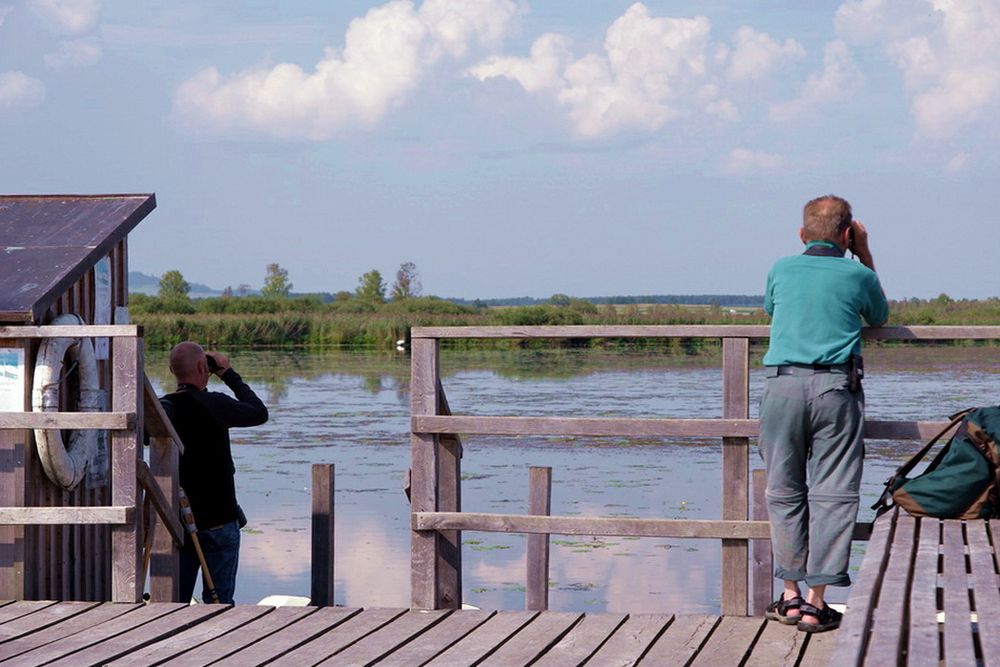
pixel 54 516
pixel 156 422
pixel 112 421
pixel 322 588
pixel 165 566
pixel 73 331
pixel 536 594
pixel 168 513
pixel 735 474
pixel 126 545
pixel 449 499
pixel 424 448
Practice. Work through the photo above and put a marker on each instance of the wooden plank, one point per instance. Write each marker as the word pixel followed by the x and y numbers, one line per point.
pixel 139 616
pixel 761 558
pixel 536 595
pixel 777 646
pixel 155 419
pixel 484 639
pixel 372 648
pixel 533 640
pixel 730 642
pixel 888 635
pixel 819 649
pixel 424 450
pixel 924 644
pixel 437 639
pixel 339 638
pixel 984 580
pixel 112 421
pixel 607 526
pixel 681 640
pixel 735 474
pixel 126 545
pixel 631 641
pixel 132 641
pixel 164 509
pixel 958 645
pixel 194 637
pixel 296 634
pixel 43 618
pixel 323 543
pixel 73 331
pixel 16 610
pixel 13 445
pixel 449 499
pixel 66 515
pixel 165 565
pixel 852 640
pixel 208 645
pixel 582 641
pixel 694 331
pixel 427 423
pixel 78 623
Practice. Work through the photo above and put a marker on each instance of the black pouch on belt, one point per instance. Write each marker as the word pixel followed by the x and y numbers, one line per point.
pixel 855 373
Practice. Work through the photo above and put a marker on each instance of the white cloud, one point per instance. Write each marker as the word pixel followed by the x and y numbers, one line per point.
pixel 19 91
pixel 755 54
pixel 386 53
pixel 68 17
pixel 542 70
pixel 822 91
pixel 946 50
pixel 73 53
pixel 4 11
pixel 746 161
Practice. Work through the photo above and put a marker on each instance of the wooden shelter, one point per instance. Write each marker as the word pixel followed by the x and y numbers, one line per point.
pixel 69 254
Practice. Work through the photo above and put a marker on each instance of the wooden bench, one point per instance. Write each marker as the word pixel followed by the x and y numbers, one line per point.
pixel 927 594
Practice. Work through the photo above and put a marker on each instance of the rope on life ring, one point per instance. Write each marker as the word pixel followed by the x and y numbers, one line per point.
pixel 65 463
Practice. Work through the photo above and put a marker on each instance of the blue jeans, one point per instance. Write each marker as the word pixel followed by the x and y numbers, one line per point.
pixel 221 546
pixel 811 442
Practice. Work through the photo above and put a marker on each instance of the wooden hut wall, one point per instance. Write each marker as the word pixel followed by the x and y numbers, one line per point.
pixel 71 562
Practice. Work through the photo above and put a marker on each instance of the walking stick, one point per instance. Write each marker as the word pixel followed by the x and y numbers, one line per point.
pixel 188 517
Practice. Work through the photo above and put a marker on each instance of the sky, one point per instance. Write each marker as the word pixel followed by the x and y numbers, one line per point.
pixel 516 147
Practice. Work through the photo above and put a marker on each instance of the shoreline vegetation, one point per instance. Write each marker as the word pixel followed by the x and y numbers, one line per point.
pixel 310 322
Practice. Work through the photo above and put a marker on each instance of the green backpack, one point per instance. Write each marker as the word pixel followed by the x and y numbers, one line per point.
pixel 962 480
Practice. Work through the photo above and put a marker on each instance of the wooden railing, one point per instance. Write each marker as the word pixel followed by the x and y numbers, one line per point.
pixel 131 399
pixel 435 482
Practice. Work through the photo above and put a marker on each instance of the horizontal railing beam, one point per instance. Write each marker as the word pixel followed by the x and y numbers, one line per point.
pixel 641 428
pixel 112 421
pixel 113 515
pixel 73 331
pixel 603 526
pixel 696 331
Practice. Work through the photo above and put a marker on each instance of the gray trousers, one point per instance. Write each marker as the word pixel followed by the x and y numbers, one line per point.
pixel 811 430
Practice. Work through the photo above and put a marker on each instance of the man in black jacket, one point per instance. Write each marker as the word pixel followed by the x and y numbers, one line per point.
pixel 202 419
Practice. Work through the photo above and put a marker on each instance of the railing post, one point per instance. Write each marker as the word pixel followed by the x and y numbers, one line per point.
pixel 536 597
pixel 322 534
pixel 126 545
pixel 449 499
pixel 763 561
pixel 424 378
pixel 735 472
pixel 165 564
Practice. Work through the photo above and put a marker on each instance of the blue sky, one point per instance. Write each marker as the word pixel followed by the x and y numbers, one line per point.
pixel 516 148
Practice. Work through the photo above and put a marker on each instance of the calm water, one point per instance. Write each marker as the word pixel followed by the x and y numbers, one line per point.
pixel 352 409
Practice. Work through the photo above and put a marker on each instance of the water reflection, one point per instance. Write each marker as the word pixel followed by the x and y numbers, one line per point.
pixel 352 409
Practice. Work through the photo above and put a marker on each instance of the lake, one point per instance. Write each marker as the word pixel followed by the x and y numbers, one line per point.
pixel 352 409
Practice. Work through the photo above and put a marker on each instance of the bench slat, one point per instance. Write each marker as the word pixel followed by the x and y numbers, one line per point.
pixel 888 631
pixel 925 637
pixel 958 647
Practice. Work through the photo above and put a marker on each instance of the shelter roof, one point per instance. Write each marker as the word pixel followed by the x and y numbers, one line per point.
pixel 48 242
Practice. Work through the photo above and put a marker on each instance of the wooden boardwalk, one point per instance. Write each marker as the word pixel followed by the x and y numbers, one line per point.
pixel 91 633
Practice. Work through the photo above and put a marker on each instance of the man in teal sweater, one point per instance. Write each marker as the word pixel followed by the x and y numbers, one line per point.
pixel 812 409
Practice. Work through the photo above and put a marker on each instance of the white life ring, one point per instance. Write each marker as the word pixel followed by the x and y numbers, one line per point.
pixel 65 464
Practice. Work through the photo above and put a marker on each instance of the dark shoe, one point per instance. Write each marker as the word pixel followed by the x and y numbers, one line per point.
pixel 778 610
pixel 827 618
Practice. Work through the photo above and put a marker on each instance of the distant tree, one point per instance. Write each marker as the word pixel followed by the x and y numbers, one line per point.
pixel 407 282
pixel 343 295
pixel 173 286
pixel 228 292
pixel 371 288
pixel 276 282
pixel 243 289
pixel 560 300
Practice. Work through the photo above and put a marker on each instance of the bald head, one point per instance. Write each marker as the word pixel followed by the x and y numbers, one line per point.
pixel 187 363
pixel 825 219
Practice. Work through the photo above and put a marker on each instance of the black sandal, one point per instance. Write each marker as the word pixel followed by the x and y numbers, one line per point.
pixel 827 618
pixel 778 610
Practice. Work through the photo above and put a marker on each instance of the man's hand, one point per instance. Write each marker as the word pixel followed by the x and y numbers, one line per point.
pixel 221 362
pixel 859 246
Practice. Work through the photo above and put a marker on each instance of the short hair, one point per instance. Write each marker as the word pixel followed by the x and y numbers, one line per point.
pixel 184 358
pixel 826 217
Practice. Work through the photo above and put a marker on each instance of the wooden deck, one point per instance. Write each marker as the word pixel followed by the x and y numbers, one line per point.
pixel 927 594
pixel 89 633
